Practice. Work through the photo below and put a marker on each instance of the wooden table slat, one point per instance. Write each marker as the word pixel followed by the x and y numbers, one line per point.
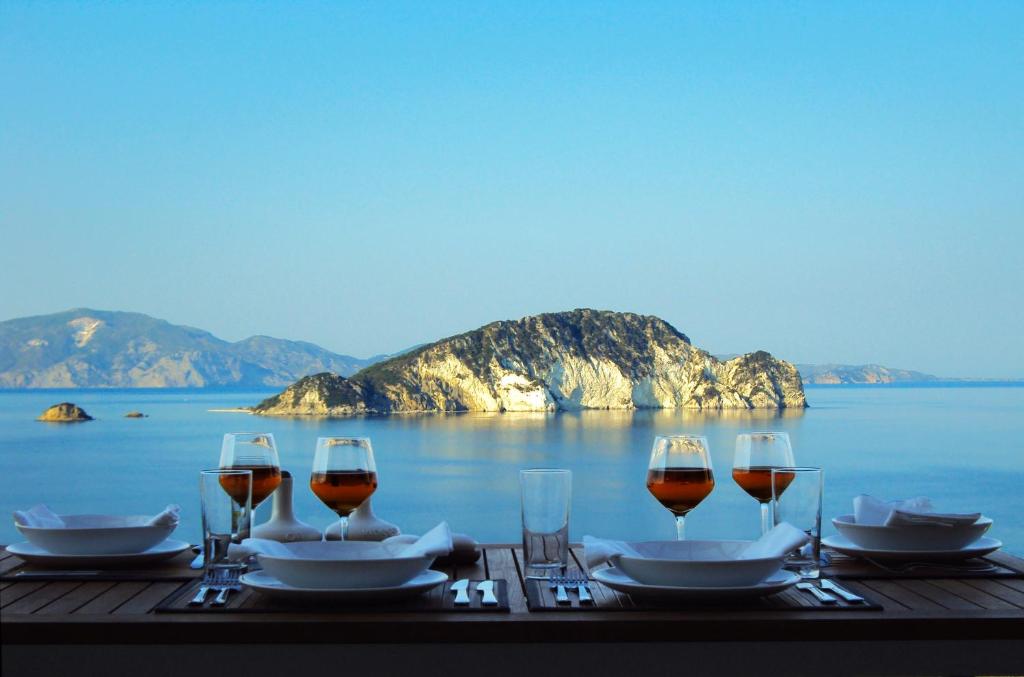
pixel 973 595
pixel 897 591
pixel 76 598
pixel 144 602
pixel 1000 590
pixel 40 597
pixel 860 588
pixel 939 595
pixel 13 593
pixel 501 563
pixel 110 599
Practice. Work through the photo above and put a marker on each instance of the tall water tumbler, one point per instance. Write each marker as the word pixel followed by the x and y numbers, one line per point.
pixel 226 497
pixel 797 494
pixel 546 495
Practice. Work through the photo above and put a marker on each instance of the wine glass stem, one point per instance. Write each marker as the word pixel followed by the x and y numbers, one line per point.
pixel 343 531
pixel 680 528
pixel 765 517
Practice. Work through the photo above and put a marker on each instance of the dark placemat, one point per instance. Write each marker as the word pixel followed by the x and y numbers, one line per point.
pixel 174 569
pixel 539 597
pixel 247 600
pixel 846 567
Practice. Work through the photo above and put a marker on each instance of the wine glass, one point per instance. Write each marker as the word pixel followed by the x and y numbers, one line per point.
pixel 344 475
pixel 680 475
pixel 756 455
pixel 251 451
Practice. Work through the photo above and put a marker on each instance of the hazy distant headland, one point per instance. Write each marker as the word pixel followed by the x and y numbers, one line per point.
pixel 581 359
pixel 86 348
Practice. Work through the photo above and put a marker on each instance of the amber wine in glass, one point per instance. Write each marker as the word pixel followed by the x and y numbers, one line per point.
pixel 344 475
pixel 680 475
pixel 255 452
pixel 756 455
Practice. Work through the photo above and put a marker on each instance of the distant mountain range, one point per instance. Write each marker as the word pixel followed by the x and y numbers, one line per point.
pixel 834 374
pixel 89 348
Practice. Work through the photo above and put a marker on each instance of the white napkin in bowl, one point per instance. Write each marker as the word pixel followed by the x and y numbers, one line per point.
pixel 169 517
pixel 909 512
pixel 782 538
pixel 39 517
pixel 435 543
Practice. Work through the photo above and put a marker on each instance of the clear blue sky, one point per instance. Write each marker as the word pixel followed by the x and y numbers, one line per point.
pixel 827 181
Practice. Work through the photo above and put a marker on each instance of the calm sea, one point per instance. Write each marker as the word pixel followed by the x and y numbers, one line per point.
pixel 961 445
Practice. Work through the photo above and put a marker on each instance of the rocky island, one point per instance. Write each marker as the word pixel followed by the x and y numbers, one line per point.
pixel 65 412
pixel 581 359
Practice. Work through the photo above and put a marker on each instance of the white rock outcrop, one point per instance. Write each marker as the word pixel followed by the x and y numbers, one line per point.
pixel 583 359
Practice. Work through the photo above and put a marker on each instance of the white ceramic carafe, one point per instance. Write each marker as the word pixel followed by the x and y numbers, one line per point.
pixel 282 525
pixel 363 525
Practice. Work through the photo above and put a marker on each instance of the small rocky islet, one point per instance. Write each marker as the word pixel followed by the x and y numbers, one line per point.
pixel 64 412
pixel 580 359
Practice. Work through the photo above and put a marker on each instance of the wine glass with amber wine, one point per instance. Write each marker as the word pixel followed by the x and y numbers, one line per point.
pixel 680 475
pixel 251 451
pixel 756 455
pixel 344 475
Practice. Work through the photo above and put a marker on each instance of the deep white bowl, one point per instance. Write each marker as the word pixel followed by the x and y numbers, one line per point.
pixel 916 537
pixel 695 564
pixel 99 535
pixel 344 564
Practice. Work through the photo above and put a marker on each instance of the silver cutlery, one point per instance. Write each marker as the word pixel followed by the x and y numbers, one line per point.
pixel 487 588
pixel 822 596
pixel 459 587
pixel 210 579
pixel 842 592
pixel 580 584
pixel 561 596
pixel 229 583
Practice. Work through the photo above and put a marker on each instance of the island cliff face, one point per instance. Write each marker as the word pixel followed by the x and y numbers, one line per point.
pixel 583 359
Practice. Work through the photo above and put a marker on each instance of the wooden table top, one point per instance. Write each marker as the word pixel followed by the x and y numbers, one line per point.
pixel 99 612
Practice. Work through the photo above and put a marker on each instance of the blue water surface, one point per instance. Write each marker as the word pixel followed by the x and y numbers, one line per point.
pixel 962 445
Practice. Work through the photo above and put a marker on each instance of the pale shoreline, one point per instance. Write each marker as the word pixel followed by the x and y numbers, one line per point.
pixel 235 410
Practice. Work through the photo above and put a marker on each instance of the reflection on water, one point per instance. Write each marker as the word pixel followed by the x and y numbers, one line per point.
pixel 464 467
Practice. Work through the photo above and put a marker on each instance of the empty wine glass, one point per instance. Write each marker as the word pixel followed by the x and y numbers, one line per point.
pixel 680 475
pixel 756 455
pixel 344 475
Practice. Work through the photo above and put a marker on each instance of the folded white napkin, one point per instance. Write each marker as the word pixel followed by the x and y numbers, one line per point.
pixel 783 538
pixel 435 543
pixel 780 539
pixel 909 512
pixel 40 517
pixel 598 551
pixel 169 517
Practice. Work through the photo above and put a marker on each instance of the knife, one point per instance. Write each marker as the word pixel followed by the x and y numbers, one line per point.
pixel 842 592
pixel 487 588
pixel 460 586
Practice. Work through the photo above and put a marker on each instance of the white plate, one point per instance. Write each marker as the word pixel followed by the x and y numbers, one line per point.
pixel 616 580
pixel 979 548
pixel 263 582
pixel 33 554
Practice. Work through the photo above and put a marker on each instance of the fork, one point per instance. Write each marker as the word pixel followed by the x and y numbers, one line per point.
pixel 227 584
pixel 573 582
pixel 210 581
pixel 557 583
